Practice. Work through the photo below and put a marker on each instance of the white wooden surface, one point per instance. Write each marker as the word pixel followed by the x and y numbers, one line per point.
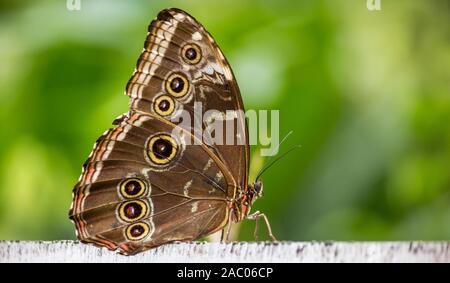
pixel 71 251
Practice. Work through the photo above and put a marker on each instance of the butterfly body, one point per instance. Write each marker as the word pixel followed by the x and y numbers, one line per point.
pixel 152 180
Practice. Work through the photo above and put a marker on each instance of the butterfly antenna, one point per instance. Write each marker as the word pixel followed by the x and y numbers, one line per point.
pixel 281 142
pixel 276 160
pixel 277 148
pixel 285 137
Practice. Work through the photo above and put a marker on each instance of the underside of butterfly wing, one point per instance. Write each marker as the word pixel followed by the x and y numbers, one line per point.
pixel 142 187
pixel 179 51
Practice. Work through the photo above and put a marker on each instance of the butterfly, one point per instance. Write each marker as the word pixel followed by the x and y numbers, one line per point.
pixel 142 185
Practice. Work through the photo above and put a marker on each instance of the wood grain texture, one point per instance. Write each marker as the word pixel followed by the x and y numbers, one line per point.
pixel 72 251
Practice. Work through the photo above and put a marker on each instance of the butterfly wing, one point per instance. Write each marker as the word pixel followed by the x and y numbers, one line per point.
pixel 132 195
pixel 178 46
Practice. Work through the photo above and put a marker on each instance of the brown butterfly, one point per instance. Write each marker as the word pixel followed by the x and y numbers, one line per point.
pixel 142 186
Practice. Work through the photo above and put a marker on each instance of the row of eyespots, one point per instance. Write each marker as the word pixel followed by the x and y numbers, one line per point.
pixel 177 85
pixel 134 209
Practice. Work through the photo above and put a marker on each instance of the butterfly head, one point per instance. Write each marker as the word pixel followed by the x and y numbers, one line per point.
pixel 255 191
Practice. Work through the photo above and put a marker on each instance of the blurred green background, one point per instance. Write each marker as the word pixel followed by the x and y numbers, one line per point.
pixel 365 92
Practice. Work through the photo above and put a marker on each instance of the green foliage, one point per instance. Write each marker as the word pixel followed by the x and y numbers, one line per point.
pixel 365 92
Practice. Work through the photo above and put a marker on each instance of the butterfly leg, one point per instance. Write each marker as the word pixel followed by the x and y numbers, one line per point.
pixel 226 231
pixel 222 235
pixel 256 232
pixel 257 216
pixel 225 235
